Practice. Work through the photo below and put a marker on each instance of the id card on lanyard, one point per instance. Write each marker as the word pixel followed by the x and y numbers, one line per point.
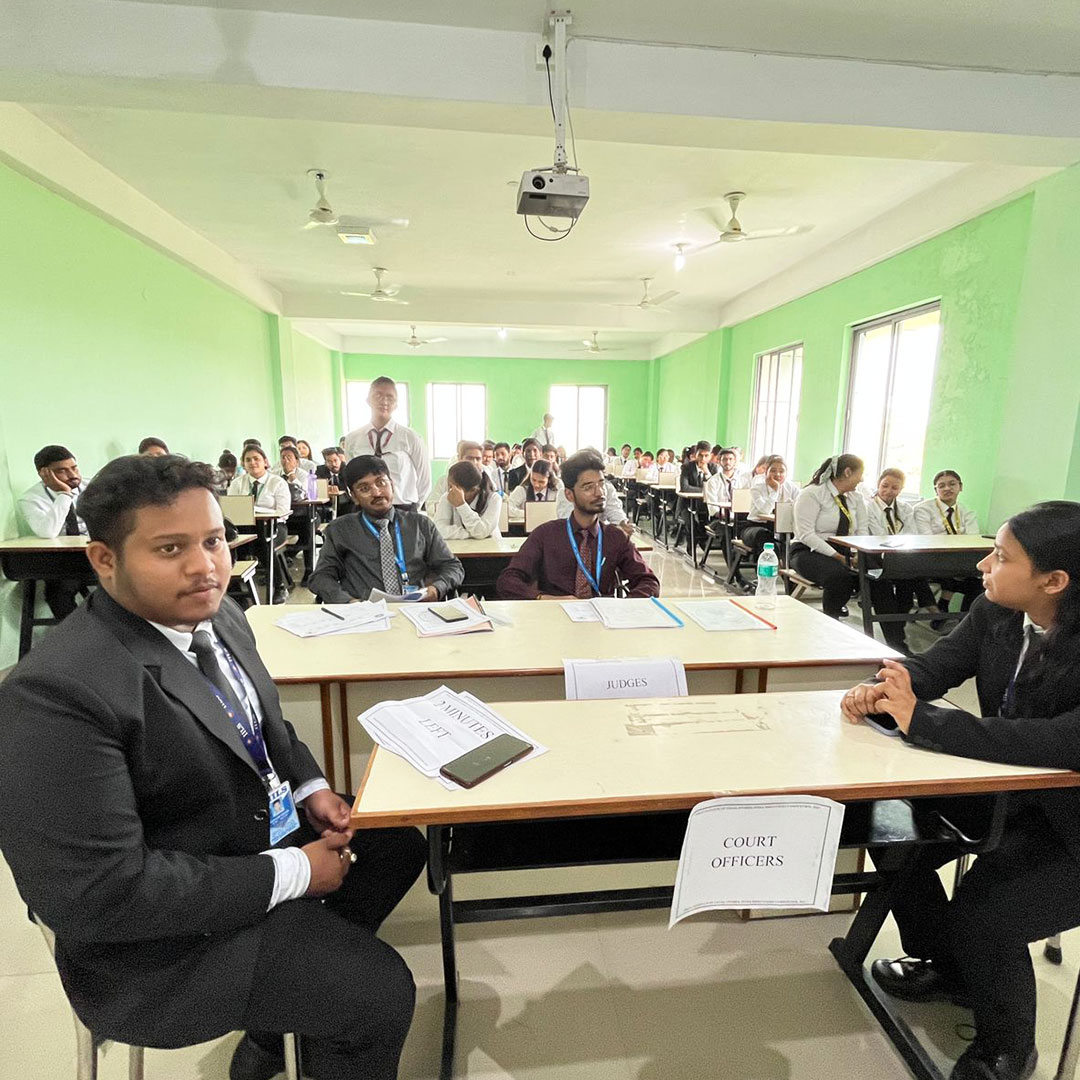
pixel 399 549
pixel 844 510
pixel 283 816
pixel 594 582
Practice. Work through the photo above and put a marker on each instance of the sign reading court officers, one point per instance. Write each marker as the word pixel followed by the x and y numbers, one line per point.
pixel 774 851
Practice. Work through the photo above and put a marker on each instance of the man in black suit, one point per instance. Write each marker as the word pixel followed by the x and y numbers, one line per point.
pixel 151 791
pixel 530 451
pixel 695 473
pixel 330 471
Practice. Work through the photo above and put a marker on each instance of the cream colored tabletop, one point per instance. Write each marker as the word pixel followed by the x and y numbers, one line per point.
pixel 903 542
pixel 44 543
pixel 542 636
pixel 510 545
pixel 608 757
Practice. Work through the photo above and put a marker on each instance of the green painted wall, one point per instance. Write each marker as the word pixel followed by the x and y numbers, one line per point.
pixel 311 415
pixel 688 390
pixel 517 389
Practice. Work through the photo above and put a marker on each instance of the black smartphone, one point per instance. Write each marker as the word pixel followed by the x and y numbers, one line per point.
pixel 448 612
pixel 883 722
pixel 484 761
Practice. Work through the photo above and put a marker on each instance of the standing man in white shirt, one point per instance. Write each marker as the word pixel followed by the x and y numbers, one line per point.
pixel 545 433
pixel 50 508
pixel 403 450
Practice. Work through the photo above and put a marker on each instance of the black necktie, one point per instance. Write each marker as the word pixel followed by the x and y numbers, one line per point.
pixel 71 522
pixel 889 519
pixel 844 526
pixel 379 441
pixel 951 527
pixel 203 648
pixel 254 492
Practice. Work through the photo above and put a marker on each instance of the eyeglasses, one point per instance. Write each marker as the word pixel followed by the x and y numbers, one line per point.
pixel 368 486
pixel 590 487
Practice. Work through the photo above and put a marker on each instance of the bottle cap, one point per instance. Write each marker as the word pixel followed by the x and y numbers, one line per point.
pixel 770 547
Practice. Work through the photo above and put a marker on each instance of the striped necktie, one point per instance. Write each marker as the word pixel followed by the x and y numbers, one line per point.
pixel 391 575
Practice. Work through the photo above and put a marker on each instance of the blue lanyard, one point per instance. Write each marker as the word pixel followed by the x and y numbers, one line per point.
pixel 400 548
pixel 251 733
pixel 594 582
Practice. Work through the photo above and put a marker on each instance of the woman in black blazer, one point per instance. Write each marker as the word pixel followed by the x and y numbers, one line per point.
pixel 1021 643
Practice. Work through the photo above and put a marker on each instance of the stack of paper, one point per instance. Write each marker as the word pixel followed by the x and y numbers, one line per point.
pixel 634 614
pixel 431 730
pixel 362 618
pixel 723 614
pixel 428 624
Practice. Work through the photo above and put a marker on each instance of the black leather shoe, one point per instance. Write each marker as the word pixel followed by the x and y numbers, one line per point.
pixel 978 1064
pixel 250 1061
pixel 916 980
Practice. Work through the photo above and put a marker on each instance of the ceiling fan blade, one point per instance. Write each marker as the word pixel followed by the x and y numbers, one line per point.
pixel 663 298
pixel 704 247
pixel 311 225
pixel 365 295
pixel 776 234
pixel 435 340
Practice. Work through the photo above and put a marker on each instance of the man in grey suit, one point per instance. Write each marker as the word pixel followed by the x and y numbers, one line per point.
pixel 164 819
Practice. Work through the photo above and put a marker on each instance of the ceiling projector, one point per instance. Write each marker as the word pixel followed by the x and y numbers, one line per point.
pixel 550 193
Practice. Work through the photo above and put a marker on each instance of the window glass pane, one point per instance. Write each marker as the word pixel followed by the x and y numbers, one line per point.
pixel 592 419
pixel 869 394
pixel 776 408
pixel 473 418
pixel 563 405
pixel 357 411
pixel 442 419
pixel 909 402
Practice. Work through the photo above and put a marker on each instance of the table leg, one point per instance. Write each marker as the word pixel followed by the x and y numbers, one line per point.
pixel 26 620
pixel 865 601
pixel 440 883
pixel 329 770
pixel 693 521
pixel 346 747
pixel 271 534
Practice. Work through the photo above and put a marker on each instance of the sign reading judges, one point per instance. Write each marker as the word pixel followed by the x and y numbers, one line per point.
pixel 768 852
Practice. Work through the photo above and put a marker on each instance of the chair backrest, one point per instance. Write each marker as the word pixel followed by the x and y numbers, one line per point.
pixel 536 513
pixel 668 480
pixel 741 501
pixel 239 509
pixel 504 517
pixel 785 517
pixel 322 489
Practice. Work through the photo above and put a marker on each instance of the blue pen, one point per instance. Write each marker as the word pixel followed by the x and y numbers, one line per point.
pixel 668 612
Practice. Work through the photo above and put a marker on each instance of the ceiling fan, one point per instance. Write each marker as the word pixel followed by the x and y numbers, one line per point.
pixel 351 229
pixel 379 294
pixel 415 343
pixel 592 346
pixel 647 302
pixel 732 232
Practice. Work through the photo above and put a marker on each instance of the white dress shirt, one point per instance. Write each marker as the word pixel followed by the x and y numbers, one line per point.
pixel 613 513
pixel 817 516
pixel 405 455
pixel 878 523
pixel 668 466
pixel 763 498
pixel 292 871
pixel 718 488
pixel 46 510
pixel 515 501
pixel 931 515
pixel 629 467
pixel 545 436
pixel 273 494
pixel 464 523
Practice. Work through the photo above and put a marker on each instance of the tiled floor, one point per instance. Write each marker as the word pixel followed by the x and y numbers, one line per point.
pixel 607 997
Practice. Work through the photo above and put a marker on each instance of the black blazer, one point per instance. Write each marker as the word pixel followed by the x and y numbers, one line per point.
pixel 1045 730
pixel 515 477
pixel 691 478
pixel 133 818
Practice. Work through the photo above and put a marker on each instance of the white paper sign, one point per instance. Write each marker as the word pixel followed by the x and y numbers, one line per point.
pixel 774 851
pixel 654 676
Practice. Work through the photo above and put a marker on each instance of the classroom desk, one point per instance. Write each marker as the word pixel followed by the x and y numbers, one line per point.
pixel 662 496
pixel 691 497
pixel 667 755
pixel 525 661
pixel 484 560
pixel 266 522
pixel 905 557
pixel 308 510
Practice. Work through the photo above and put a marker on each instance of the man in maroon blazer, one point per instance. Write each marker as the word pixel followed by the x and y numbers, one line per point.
pixel 577 557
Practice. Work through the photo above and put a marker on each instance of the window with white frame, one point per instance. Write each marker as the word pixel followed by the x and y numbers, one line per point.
pixel 456 411
pixel 580 416
pixel 775 422
pixel 357 410
pixel 889 389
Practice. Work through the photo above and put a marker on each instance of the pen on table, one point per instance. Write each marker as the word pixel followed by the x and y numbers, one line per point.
pixel 334 613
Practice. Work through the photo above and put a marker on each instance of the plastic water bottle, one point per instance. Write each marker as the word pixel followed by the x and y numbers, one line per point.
pixel 312 486
pixel 767 566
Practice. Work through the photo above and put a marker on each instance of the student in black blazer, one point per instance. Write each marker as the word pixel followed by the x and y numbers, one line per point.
pixel 136 812
pixel 1021 643
pixel 530 450
pixel 693 477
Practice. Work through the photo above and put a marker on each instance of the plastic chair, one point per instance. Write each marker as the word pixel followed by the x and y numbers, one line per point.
pixel 86 1045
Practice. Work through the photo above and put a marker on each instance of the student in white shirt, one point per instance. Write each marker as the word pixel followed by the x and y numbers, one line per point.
pixel 665 461
pixel 545 433
pixel 828 506
pixel 404 451
pixel 50 508
pixel 467 450
pixel 470 508
pixel 516 456
pixel 648 464
pixel 271 493
pixel 293 443
pixel 307 462
pixel 943 515
pixel 541 485
pixel 290 471
pixel 765 492
pixel 551 455
pixel 719 487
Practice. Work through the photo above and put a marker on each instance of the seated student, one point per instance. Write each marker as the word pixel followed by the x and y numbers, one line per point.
pixel 153 447
pixel 943 515
pixel 1021 642
pixel 500 473
pixel 551 455
pixel 182 909
pixel 531 452
pixel 517 458
pixel 723 483
pixel 612 514
pixel 695 474
pixel 470 508
pixel 624 456
pixel 307 462
pixel 225 472
pixel 330 471
pixel 648 463
pixel 828 506
pixel 561 454
pixel 741 467
pixel 665 461
pixel 610 457
pixel 559 559
pixel 765 492
pixel 301 523
pixel 271 494
pixel 467 450
pixel 629 465
pixel 381 547
pixel 50 508
pixel 542 486
pixel 289 470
